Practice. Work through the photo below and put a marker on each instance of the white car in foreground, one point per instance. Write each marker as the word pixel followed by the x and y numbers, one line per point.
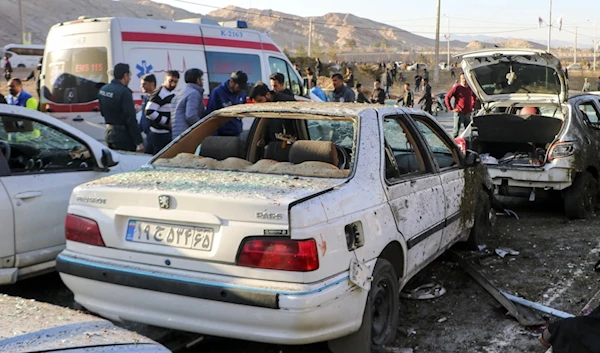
pixel 41 160
pixel 303 232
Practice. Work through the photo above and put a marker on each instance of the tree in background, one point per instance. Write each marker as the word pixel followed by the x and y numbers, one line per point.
pixel 300 51
pixel 422 59
pixel 316 50
pixel 351 44
pixel 332 53
pixel 372 71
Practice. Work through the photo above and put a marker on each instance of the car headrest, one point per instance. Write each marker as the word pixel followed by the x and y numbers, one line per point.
pixel 318 151
pixel 221 147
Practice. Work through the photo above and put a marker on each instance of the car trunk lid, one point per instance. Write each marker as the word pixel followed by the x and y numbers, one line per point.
pixel 524 76
pixel 194 214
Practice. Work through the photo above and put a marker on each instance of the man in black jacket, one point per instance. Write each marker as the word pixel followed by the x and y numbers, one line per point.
pixel 260 93
pixel 116 106
pixel 378 95
pixel 427 97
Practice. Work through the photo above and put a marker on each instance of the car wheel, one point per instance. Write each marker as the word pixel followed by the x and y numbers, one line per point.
pixel 21 65
pixel 580 198
pixel 380 317
pixel 481 223
pixel 384 302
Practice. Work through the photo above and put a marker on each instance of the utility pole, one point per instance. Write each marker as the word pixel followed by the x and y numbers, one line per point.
pixel 575 50
pixel 447 36
pixel 310 37
pixel 22 25
pixel 436 70
pixel 550 27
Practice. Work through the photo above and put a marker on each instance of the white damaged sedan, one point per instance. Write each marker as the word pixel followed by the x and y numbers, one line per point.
pixel 303 231
pixel 41 160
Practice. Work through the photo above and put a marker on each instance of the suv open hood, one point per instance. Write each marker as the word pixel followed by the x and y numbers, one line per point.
pixel 519 75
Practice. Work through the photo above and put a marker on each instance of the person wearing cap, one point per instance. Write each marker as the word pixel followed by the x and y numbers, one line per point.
pixel 187 107
pixel 230 92
pixel 118 110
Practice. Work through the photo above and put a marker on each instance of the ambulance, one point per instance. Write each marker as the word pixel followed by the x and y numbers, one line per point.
pixel 80 55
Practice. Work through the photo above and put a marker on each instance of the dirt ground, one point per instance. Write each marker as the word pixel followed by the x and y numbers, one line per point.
pixel 554 268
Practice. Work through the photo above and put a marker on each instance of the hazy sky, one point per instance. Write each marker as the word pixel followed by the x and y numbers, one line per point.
pixel 500 18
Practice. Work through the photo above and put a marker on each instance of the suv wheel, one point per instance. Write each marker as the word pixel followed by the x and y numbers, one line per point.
pixel 580 198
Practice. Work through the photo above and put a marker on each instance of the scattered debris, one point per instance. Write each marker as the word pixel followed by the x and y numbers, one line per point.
pixel 442 319
pixel 502 252
pixel 511 213
pixel 481 247
pixel 428 290
pixel 524 315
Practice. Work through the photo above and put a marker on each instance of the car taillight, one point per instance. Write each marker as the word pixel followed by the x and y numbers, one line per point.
pixel 561 150
pixel 280 254
pixel 83 230
pixel 462 144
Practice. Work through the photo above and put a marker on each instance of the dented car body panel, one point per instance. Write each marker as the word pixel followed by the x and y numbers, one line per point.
pixel 394 187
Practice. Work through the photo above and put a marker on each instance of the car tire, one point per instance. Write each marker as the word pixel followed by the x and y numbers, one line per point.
pixel 481 223
pixel 384 302
pixel 380 317
pixel 581 197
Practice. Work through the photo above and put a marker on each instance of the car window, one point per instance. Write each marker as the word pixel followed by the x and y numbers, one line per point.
pixel 220 65
pixel 292 81
pixel 444 154
pixel 589 113
pixel 35 147
pixel 402 155
pixel 309 145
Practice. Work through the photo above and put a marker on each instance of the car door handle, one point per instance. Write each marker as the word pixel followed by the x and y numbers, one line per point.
pixel 77 119
pixel 28 194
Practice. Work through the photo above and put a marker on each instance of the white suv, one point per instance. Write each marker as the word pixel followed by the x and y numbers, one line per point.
pixel 304 232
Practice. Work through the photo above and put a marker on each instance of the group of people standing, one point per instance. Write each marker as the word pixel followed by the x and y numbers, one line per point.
pixel 165 114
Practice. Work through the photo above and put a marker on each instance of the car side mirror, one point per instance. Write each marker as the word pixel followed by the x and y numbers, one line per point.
pixel 107 159
pixel 305 88
pixel 472 158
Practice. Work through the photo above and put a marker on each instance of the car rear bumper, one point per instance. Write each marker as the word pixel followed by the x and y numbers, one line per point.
pixel 215 306
pixel 540 178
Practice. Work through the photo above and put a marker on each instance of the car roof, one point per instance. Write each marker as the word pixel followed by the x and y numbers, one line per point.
pixel 325 109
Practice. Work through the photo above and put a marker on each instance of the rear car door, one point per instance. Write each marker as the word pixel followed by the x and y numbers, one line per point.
pixel 588 110
pixel 447 160
pixel 44 166
pixel 414 191
pixel 7 228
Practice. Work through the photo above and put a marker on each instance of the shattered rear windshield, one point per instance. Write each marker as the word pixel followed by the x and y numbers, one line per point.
pixel 508 78
pixel 311 146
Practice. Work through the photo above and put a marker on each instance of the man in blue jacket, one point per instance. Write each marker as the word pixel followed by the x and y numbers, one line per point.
pixel 230 92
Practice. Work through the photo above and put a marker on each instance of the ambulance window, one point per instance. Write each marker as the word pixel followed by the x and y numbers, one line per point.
pixel 220 66
pixel 74 75
pixel 292 81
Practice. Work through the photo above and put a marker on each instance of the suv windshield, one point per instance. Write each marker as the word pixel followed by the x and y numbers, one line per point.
pixel 523 78
pixel 306 146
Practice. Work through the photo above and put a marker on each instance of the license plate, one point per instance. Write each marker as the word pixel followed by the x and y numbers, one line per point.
pixel 196 238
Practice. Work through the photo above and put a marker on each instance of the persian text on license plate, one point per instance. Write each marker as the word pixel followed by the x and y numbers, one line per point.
pixel 197 238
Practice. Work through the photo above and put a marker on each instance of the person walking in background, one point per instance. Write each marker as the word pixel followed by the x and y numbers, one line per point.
pixel 7 69
pixel 586 85
pixel 318 67
pixel 417 82
pixel 118 110
pixel 148 85
pixel 310 74
pixel 36 74
pixel 388 82
pixel 427 97
pixel 341 92
pixel 425 75
pixel 277 81
pixel 378 94
pixel 361 98
pixel 158 112
pixel 230 92
pixel 407 99
pixel 464 100
pixel 452 72
pixel 18 96
pixel 187 107
pixel 349 77
pixel 317 92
